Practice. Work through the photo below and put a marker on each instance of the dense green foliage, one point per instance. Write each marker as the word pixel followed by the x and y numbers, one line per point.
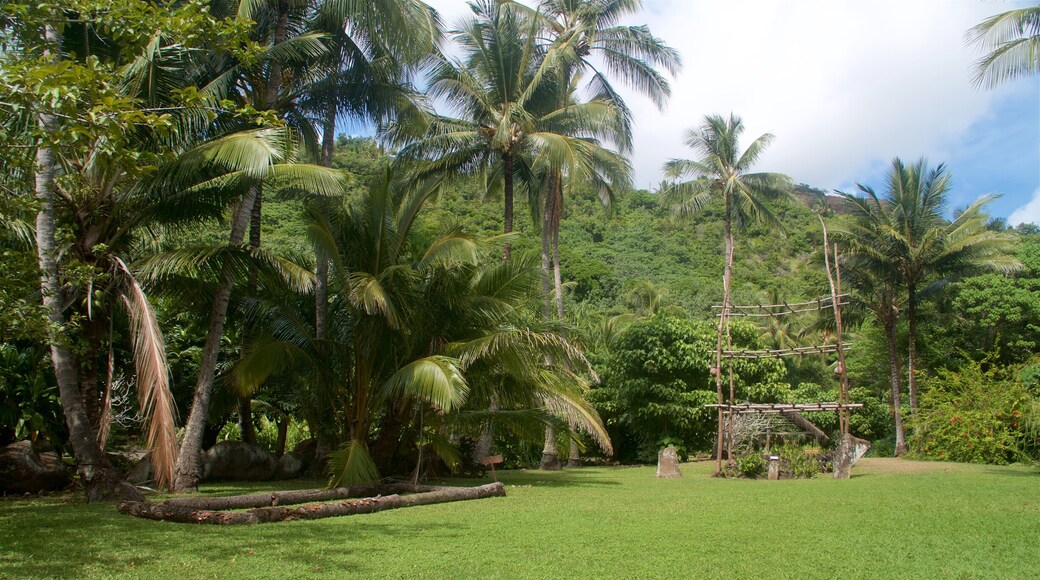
pixel 657 382
pixel 975 417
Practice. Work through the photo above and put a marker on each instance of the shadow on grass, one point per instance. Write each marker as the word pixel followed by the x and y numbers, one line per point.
pixel 1024 471
pixel 48 538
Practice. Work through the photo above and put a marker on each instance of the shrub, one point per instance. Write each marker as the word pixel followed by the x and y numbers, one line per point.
pixel 801 462
pixel 972 416
pixel 751 466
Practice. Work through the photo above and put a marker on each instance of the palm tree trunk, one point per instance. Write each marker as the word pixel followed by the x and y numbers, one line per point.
pixel 186 476
pixel 723 327
pixel 246 429
pixel 557 214
pixel 88 370
pixel 550 458
pixel 100 479
pixel 893 365
pixel 911 359
pixel 574 458
pixel 245 420
pixel 321 266
pixel 507 171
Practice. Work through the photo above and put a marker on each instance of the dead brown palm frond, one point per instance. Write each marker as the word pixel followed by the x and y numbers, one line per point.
pixel 153 384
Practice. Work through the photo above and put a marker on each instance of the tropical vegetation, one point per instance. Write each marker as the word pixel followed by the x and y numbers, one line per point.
pixel 183 224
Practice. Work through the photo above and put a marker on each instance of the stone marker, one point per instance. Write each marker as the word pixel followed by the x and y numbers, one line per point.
pixel 774 467
pixel 847 454
pixel 668 463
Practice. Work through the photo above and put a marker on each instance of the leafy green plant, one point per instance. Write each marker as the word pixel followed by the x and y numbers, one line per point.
pixel 973 416
pixel 800 462
pixel 751 465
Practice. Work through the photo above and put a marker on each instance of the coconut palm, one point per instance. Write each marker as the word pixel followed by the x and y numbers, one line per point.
pixel 1013 39
pixel 579 32
pixel 869 276
pixel 411 328
pixel 923 248
pixel 498 90
pixel 721 171
pixel 374 48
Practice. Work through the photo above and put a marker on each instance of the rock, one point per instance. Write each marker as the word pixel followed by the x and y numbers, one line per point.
pixel 668 463
pixel 288 467
pixel 141 472
pixel 238 461
pixel 23 470
pixel 774 467
pixel 849 451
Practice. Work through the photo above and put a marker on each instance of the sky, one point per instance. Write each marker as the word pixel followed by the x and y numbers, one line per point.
pixel 844 86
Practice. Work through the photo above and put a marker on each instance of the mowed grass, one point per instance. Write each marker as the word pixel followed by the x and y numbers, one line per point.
pixel 892 519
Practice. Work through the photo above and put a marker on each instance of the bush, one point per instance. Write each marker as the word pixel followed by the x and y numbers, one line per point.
pixel 973 416
pixel 751 466
pixel 801 462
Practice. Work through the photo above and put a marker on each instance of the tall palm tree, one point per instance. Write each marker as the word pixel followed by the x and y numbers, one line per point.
pixel 579 32
pixel 1013 39
pixel 926 250
pixel 721 171
pixel 873 283
pixel 374 49
pixel 497 89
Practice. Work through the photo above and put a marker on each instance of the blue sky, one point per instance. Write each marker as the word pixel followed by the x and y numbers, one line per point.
pixel 844 86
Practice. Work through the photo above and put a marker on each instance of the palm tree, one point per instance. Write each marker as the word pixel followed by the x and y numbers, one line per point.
pixel 870 278
pixel 924 249
pixel 499 90
pixel 721 171
pixel 580 31
pixel 1013 39
pixel 412 327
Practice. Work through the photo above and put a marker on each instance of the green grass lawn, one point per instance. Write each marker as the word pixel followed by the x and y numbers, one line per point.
pixel 892 519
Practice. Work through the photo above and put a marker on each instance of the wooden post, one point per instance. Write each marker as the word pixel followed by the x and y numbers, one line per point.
pixel 491 460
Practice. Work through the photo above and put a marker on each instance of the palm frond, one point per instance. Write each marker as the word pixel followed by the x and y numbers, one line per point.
pixel 153 378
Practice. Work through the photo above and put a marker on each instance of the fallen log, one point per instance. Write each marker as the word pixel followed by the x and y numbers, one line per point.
pixel 295 497
pixel 186 514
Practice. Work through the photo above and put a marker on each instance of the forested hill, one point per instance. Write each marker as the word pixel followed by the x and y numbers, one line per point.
pixel 605 253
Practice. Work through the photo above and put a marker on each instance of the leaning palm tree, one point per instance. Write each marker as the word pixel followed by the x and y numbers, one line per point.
pixel 1013 41
pixel 721 171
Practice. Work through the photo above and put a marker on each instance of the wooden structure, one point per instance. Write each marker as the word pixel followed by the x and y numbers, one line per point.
pixel 834 302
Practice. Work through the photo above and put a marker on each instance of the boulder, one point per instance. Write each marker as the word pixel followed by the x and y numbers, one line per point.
pixel 23 470
pixel 289 467
pixel 238 461
pixel 668 463
pixel 141 472
pixel 849 451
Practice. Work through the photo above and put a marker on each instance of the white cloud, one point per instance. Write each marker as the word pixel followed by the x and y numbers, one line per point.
pixel 1028 213
pixel 844 85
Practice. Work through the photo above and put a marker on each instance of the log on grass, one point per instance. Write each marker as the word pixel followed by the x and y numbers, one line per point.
pixel 172 513
pixel 294 497
pixel 377 504
pixel 185 514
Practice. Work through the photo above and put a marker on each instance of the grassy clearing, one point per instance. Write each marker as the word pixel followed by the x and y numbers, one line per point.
pixel 892 519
